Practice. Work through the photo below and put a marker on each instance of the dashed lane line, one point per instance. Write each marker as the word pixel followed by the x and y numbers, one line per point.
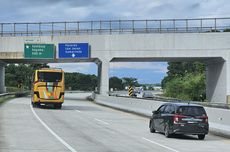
pixel 106 123
pixel 171 149
pixel 101 121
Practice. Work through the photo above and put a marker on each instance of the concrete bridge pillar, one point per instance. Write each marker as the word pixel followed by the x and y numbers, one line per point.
pixel 227 66
pixel 218 81
pixel 103 77
pixel 2 79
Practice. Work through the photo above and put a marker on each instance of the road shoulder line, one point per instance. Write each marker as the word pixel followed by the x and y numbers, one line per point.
pixel 52 132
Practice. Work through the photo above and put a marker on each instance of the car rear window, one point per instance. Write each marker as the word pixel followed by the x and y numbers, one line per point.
pixel 191 111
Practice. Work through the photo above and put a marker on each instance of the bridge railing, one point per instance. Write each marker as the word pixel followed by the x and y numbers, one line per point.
pixel 200 25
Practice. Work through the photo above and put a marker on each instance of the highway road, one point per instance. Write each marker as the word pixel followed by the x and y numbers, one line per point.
pixel 82 126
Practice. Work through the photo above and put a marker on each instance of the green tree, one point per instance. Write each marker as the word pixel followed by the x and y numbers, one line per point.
pixel 226 30
pixel 79 81
pixel 185 80
pixel 38 66
pixel 213 30
pixel 115 82
pixel 15 73
pixel 130 81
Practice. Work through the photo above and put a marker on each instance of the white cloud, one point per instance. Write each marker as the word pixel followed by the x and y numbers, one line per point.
pixel 158 67
pixel 158 9
pixel 62 10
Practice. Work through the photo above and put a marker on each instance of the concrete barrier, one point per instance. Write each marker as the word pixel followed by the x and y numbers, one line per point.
pixel 219 119
pixel 77 95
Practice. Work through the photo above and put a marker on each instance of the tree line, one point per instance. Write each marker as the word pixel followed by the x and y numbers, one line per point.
pixel 80 81
pixel 22 73
pixel 120 83
pixel 184 80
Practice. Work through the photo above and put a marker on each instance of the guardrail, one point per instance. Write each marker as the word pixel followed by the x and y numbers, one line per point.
pixel 199 25
pixel 17 94
pixel 6 94
pixel 167 99
pixel 3 96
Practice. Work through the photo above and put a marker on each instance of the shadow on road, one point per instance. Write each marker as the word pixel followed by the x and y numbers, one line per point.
pixel 182 137
pixel 68 107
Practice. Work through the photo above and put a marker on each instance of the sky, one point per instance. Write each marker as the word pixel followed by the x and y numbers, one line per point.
pixel 80 10
pixel 146 72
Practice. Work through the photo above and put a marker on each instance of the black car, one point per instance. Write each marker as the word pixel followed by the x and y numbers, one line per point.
pixel 180 118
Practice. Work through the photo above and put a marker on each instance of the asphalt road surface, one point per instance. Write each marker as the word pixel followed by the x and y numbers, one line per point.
pixel 82 126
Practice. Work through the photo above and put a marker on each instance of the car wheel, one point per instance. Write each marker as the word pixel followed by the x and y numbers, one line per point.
pixel 201 137
pixel 167 134
pixel 151 127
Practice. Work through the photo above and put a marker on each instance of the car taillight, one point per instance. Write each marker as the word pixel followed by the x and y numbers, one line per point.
pixel 205 119
pixel 177 118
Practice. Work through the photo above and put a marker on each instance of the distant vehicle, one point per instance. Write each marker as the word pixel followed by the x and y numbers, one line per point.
pixel 48 87
pixel 180 118
pixel 147 95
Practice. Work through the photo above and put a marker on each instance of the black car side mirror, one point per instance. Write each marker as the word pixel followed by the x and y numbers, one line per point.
pixel 155 112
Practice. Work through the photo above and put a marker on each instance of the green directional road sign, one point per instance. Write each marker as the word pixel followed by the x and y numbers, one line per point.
pixel 39 51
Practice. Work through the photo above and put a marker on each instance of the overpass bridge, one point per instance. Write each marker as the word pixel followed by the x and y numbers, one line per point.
pixel 206 40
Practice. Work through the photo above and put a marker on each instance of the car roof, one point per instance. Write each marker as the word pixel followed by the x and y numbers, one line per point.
pixel 183 104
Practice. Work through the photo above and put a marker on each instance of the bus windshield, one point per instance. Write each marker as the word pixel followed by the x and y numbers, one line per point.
pixel 49 76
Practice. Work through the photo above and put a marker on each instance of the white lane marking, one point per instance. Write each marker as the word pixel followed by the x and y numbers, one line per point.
pixel 160 144
pixel 52 132
pixel 106 123
pixel 78 111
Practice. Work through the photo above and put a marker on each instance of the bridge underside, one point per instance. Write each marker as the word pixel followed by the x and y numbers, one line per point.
pixel 168 59
pixel 216 72
pixel 28 61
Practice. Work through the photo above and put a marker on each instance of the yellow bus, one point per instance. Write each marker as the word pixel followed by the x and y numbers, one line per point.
pixel 48 87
